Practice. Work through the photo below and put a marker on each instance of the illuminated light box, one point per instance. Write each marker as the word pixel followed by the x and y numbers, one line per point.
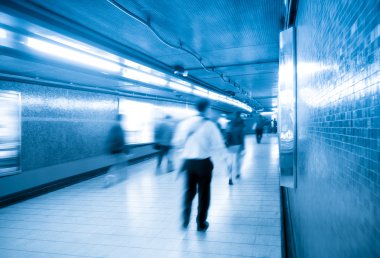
pixel 287 116
pixel 10 133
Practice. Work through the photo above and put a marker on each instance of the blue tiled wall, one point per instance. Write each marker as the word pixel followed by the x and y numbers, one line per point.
pixel 335 207
pixel 62 125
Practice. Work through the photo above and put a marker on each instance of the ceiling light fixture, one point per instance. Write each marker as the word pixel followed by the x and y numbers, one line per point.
pixel 181 46
pixel 99 59
pixel 71 54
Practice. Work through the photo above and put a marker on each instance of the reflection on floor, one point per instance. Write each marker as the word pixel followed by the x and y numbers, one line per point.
pixel 140 217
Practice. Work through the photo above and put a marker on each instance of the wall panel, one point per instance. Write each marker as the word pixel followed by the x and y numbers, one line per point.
pixel 335 209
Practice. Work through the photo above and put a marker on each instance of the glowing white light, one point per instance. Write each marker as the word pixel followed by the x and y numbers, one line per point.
pixel 309 68
pixel 200 93
pixel 286 72
pixel 71 54
pixel 179 113
pixel 135 71
pixel 286 97
pixel 213 95
pixel 87 48
pixel 179 87
pixel 3 34
pixel 143 77
pixel 267 113
pixel 6 154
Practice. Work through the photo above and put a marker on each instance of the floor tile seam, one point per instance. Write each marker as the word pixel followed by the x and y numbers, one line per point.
pixel 236 256
pixel 127 222
pixel 129 246
pixel 162 213
pixel 85 224
pixel 97 201
pixel 38 252
pixel 252 201
pixel 188 250
pixel 218 241
pixel 241 194
pixel 60 222
pixel 114 200
pixel 245 224
pixel 243 232
pixel 206 240
pixel 246 210
pixel 72 216
pixel 162 220
pixel 80 232
pixel 222 197
pixel 250 209
pixel 77 242
pixel 261 204
pixel 127 213
pixel 43 213
pixel 105 206
pixel 83 210
pixel 276 218
pixel 243 185
pixel 254 198
pixel 249 191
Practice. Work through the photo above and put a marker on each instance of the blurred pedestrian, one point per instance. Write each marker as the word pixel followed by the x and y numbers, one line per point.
pixel 235 143
pixel 199 137
pixel 260 123
pixel 274 125
pixel 163 135
pixel 118 148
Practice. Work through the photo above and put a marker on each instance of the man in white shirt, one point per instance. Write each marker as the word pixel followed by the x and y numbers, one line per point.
pixel 200 138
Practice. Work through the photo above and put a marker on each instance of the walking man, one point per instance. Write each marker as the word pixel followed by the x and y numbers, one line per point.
pixel 199 137
pixel 163 134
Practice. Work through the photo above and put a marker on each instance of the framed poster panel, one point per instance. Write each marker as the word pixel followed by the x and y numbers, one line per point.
pixel 10 132
pixel 287 109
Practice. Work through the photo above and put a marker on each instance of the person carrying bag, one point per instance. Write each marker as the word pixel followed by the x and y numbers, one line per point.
pixel 199 138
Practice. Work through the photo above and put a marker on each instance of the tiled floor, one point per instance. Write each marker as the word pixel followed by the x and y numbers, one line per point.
pixel 140 217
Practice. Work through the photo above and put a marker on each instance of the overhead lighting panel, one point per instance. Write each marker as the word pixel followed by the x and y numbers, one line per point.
pixel 71 54
pixel 87 55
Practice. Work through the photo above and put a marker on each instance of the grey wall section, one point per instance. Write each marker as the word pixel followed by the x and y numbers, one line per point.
pixel 62 125
pixel 335 209
pixel 64 133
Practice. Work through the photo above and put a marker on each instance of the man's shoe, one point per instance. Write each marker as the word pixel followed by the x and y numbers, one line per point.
pixel 203 227
pixel 185 224
pixel 230 182
pixel 237 176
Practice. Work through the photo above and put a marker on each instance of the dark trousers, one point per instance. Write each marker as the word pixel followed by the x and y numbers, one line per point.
pixel 259 135
pixel 164 150
pixel 198 173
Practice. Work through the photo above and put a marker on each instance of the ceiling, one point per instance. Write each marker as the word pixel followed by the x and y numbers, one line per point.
pixel 229 46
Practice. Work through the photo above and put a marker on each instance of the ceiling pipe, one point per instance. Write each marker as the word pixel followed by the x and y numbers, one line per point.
pixel 148 25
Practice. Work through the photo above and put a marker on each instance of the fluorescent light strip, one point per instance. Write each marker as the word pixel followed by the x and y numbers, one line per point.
pixel 143 77
pixel 179 87
pixel 134 71
pixel 200 93
pixel 71 54
pixel 3 34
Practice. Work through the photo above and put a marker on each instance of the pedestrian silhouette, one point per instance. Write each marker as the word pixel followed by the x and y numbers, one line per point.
pixel 118 148
pixel 163 135
pixel 199 137
pixel 235 142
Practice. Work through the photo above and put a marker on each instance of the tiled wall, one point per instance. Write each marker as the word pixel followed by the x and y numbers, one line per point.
pixel 62 125
pixel 335 207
